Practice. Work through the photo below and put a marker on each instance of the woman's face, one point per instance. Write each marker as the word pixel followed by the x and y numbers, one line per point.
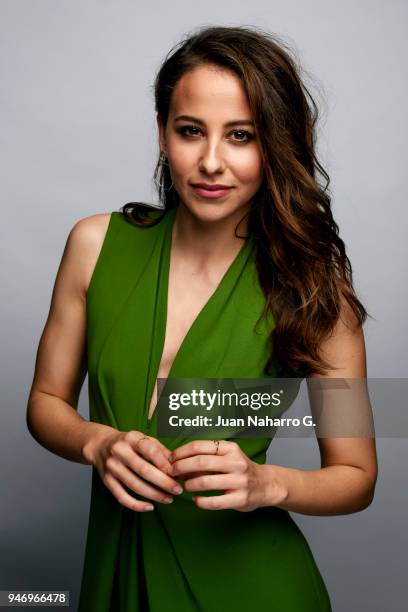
pixel 210 140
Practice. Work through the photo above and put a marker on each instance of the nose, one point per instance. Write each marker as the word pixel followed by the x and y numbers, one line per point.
pixel 211 158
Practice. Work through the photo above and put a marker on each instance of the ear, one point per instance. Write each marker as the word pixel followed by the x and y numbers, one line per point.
pixel 162 134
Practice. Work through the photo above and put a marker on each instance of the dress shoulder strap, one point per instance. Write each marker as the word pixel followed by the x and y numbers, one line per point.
pixel 123 258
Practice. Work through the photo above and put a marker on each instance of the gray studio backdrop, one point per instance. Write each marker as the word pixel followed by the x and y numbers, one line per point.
pixel 78 137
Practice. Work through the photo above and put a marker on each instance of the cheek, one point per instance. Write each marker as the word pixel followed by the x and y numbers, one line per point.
pixel 247 167
pixel 181 160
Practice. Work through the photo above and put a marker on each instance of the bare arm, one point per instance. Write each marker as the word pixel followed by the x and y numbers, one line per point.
pixel 60 367
pixel 346 481
pixel 123 459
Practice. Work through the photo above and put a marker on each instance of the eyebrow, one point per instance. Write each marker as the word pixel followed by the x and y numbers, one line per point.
pixel 228 124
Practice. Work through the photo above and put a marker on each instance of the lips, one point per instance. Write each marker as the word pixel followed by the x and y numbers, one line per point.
pixel 212 192
pixel 211 187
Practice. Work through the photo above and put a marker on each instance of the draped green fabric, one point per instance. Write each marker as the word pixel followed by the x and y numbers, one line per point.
pixel 179 557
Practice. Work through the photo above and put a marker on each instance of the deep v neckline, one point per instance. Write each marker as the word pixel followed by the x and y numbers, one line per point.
pixel 162 312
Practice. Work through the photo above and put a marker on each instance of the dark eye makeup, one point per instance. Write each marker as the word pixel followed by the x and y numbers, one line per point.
pixel 187 131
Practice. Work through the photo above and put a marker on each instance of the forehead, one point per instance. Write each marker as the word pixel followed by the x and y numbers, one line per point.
pixel 210 92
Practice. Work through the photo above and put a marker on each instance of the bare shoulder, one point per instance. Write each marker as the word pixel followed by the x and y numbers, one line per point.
pixel 83 247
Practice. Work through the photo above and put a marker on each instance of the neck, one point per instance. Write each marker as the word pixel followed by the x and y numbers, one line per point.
pixel 204 241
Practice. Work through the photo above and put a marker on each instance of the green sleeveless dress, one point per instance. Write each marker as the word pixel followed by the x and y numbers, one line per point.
pixel 180 558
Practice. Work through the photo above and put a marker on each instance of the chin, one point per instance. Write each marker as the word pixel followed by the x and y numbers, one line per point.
pixel 211 211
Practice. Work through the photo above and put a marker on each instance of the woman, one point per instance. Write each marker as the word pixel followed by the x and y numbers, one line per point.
pixel 242 275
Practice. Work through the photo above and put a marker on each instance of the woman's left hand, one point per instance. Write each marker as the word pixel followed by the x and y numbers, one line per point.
pixel 241 478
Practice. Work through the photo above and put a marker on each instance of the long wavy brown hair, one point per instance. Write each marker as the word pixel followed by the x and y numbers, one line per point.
pixel 301 261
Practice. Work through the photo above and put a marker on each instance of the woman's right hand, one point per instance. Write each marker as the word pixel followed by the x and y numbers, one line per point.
pixel 134 460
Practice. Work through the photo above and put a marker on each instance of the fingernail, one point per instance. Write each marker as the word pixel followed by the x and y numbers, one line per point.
pixel 168 500
pixel 178 489
pixel 148 508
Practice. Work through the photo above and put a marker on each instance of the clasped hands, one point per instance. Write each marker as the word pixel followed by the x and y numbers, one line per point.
pixel 131 462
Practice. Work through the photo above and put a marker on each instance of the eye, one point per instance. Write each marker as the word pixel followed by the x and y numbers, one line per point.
pixel 245 136
pixel 186 130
